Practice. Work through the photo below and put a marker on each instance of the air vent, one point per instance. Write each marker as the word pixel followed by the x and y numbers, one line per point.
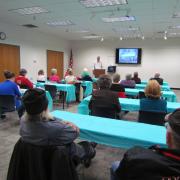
pixel 30 26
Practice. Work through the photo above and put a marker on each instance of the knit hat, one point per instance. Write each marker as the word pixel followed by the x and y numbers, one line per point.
pixel 174 121
pixel 35 101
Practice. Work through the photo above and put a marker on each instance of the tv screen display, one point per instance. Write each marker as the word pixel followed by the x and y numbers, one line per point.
pixel 128 56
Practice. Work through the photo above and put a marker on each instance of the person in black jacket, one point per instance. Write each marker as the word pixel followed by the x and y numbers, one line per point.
pixel 104 102
pixel 157 78
pixel 154 163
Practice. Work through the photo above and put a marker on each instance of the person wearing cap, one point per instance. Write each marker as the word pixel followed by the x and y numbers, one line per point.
pixel 155 162
pixel 157 78
pixel 9 87
pixel 38 127
pixel 23 81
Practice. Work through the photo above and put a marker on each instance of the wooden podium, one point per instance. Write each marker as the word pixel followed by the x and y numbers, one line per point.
pixel 98 72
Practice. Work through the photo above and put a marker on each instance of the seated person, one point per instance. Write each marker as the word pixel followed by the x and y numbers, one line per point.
pixel 153 163
pixel 136 78
pixel 23 81
pixel 128 83
pixel 67 72
pixel 85 76
pixel 118 87
pixel 9 87
pixel 38 127
pixel 104 102
pixel 157 78
pixel 54 77
pixel 70 79
pixel 152 102
pixel 41 77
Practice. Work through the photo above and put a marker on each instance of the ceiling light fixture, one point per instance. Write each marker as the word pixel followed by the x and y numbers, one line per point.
pixel 120 38
pixel 30 10
pixel 102 39
pixel 118 19
pixel 142 37
pixel 102 3
pixel 60 23
pixel 92 36
pixel 165 35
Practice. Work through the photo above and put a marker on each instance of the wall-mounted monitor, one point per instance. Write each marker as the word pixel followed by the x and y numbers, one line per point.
pixel 128 55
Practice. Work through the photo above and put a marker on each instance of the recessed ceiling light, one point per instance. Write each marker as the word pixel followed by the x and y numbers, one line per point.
pixel 60 23
pixel 165 37
pixel 121 38
pixel 102 3
pixel 93 36
pixel 142 37
pixel 174 27
pixel 30 10
pixel 176 15
pixel 102 39
pixel 118 19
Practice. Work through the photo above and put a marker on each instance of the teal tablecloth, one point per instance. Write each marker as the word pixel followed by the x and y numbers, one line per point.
pixel 50 101
pixel 116 133
pixel 169 95
pixel 69 88
pixel 126 105
pixel 164 83
pixel 89 87
pixel 163 87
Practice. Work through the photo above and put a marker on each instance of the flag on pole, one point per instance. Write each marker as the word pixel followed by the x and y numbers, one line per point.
pixel 71 60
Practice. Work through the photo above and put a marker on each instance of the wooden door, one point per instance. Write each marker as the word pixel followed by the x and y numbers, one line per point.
pixel 9 59
pixel 55 60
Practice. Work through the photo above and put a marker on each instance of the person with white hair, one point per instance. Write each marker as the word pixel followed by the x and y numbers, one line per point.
pixel 128 83
pixel 54 77
pixel 157 78
pixel 98 64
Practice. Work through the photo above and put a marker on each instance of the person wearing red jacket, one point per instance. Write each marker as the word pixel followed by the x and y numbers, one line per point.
pixel 23 81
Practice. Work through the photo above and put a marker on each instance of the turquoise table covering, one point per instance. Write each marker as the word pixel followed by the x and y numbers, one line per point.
pixel 69 88
pixel 164 83
pixel 89 87
pixel 50 101
pixel 169 95
pixel 163 87
pixel 126 105
pixel 115 133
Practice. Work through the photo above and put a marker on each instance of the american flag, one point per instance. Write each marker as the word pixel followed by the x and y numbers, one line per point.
pixel 71 60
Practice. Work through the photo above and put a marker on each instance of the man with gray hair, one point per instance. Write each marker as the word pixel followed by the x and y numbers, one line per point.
pixel 157 78
pixel 128 83
pixel 155 162
pixel 104 102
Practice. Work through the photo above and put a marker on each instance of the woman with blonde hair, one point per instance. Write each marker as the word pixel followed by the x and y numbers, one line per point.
pixel 153 101
pixel 54 77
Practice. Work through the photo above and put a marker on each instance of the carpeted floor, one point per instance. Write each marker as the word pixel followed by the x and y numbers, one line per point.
pixel 99 169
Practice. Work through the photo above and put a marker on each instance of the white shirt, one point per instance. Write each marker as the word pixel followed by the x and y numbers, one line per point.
pixel 41 78
pixel 70 78
pixel 98 65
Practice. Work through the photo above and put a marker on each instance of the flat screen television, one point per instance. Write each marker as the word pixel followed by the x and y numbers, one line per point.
pixel 128 55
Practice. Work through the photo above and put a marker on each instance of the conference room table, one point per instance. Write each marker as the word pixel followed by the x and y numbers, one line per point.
pixel 163 87
pixel 164 82
pixel 168 95
pixel 115 133
pixel 126 105
pixel 50 101
pixel 68 88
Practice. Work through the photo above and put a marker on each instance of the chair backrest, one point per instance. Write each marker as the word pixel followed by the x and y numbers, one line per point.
pixel 40 81
pixel 141 95
pixel 149 117
pixel 30 162
pixel 7 103
pixel 102 109
pixel 52 90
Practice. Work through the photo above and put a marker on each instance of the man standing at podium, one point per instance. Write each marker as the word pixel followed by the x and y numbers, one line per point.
pixel 98 64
